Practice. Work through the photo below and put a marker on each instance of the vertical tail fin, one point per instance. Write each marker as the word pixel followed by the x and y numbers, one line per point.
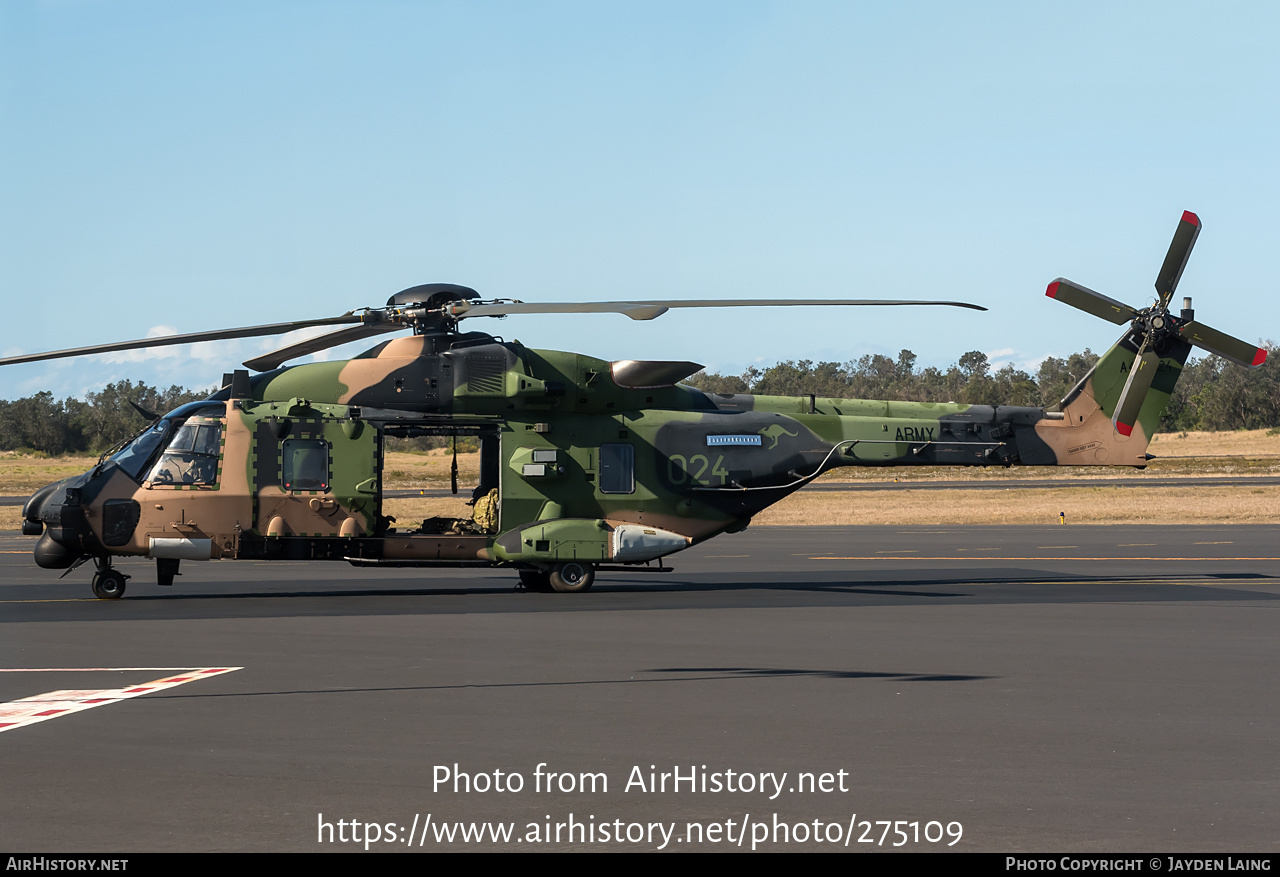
pixel 1089 432
pixel 1113 412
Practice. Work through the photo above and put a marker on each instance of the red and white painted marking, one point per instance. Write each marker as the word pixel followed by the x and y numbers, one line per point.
pixel 52 704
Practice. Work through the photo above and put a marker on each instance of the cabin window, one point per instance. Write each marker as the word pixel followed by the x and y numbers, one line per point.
pixel 305 464
pixel 617 468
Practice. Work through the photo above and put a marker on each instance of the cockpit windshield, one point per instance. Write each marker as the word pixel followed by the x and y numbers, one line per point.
pixel 191 457
pixel 135 457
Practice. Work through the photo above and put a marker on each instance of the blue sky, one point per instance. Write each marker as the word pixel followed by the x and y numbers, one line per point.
pixel 172 167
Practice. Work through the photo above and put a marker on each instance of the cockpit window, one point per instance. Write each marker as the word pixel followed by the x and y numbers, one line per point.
pixel 191 456
pixel 136 457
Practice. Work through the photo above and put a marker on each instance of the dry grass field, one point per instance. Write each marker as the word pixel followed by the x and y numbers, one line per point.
pixel 1246 453
pixel 403 471
pixel 1080 505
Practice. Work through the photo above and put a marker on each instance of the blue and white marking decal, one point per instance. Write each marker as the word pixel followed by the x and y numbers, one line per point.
pixel 713 440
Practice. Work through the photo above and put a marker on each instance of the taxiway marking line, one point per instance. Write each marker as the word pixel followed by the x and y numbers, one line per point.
pixel 1157 581
pixel 58 600
pixel 97 669
pixel 52 704
pixel 1075 557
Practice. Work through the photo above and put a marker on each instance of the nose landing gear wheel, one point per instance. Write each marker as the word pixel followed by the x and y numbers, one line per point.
pixel 573 577
pixel 108 584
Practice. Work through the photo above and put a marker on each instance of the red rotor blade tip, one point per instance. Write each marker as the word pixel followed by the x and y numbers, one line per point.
pixel 1052 291
pixel 1260 357
pixel 1188 216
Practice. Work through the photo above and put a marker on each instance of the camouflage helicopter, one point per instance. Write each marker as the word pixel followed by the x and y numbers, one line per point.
pixel 585 464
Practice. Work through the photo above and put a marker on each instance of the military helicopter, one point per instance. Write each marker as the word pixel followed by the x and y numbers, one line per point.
pixel 586 464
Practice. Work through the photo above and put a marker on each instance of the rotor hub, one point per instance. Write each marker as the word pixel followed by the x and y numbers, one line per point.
pixel 1156 325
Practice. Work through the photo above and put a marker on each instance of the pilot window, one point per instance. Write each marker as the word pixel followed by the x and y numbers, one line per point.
pixel 191 456
pixel 305 464
pixel 617 469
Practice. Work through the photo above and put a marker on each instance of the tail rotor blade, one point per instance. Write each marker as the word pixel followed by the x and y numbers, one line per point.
pixel 1176 259
pixel 1091 302
pixel 1222 344
pixel 1135 390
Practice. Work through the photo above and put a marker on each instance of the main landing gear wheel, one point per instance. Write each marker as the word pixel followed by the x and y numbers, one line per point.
pixel 573 577
pixel 108 584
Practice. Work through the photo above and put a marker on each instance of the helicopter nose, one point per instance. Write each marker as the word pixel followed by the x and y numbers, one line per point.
pixel 33 509
pixel 52 554
pixel 55 510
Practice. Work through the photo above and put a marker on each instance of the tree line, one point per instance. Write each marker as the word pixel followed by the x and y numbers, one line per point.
pixel 1212 394
pixel 90 425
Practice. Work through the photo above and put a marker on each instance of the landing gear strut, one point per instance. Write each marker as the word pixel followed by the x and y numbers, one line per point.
pixel 108 583
pixel 537 580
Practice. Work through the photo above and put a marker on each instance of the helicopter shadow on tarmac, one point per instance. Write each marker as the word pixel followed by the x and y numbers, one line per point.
pixel 665 676
pixel 709 590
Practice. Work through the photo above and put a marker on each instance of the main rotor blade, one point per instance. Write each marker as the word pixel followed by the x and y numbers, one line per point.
pixel 648 310
pixel 190 338
pixel 1222 344
pixel 1135 390
pixel 281 355
pixel 1090 302
pixel 1176 259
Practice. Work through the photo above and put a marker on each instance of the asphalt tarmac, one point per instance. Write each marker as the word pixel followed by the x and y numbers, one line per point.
pixel 1060 688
